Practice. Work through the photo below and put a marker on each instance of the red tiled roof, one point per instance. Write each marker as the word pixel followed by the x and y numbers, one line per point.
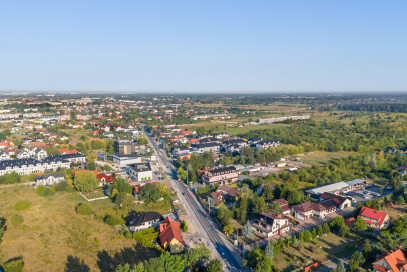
pixel 169 230
pixel 396 260
pixel 380 268
pixel 379 216
pixel 68 151
pixel 93 171
pixel 108 179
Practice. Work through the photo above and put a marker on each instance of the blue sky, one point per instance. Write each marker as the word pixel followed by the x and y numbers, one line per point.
pixel 204 46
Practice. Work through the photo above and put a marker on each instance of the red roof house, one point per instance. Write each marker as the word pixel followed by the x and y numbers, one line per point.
pixel 170 235
pixel 105 179
pixel 376 219
pixel 394 261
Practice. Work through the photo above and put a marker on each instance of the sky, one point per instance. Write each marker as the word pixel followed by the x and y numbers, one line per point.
pixel 218 46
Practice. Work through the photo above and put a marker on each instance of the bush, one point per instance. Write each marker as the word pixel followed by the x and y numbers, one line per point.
pixel 14 266
pixel 22 205
pixel 128 235
pixel 83 209
pixel 17 219
pixel 184 226
pixel 61 187
pixel 44 191
pixel 114 220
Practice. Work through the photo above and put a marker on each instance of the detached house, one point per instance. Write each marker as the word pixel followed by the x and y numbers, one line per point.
pixel 284 206
pixel 144 220
pixel 4 155
pixel 391 262
pixel 48 180
pixel 376 219
pixel 269 224
pixel 267 143
pixel 171 236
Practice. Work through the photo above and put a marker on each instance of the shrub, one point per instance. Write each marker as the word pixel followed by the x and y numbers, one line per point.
pixel 17 219
pixel 22 205
pixel 61 187
pixel 14 266
pixel 113 220
pixel 83 209
pixel 128 235
pixel 44 191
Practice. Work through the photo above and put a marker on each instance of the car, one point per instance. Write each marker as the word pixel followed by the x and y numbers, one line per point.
pixel 175 201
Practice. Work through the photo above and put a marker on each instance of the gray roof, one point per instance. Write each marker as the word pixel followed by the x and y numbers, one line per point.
pixel 328 188
pixel 50 175
pixel 355 181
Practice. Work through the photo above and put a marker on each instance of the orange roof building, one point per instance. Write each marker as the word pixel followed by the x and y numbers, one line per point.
pixel 394 261
pixel 67 151
pixel 170 236
pixel 376 219
pixel 93 171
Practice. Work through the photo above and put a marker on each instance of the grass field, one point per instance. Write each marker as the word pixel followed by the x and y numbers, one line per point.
pixel 307 253
pixel 54 238
pixel 322 157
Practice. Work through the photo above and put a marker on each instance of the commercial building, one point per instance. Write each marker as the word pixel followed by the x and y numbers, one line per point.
pixel 140 171
pixel 221 176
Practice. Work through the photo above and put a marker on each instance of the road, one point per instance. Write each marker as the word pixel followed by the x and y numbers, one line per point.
pixel 200 217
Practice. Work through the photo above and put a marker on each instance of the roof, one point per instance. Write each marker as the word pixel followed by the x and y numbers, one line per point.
pixel 355 181
pixel 282 202
pixel 138 219
pixel 217 197
pixel 396 260
pixel 140 167
pixel 170 230
pixel 50 175
pixel 379 216
pixel 93 171
pixel 328 188
pixel 221 170
pixel 233 192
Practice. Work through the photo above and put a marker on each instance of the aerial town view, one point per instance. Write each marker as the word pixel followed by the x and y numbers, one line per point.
pixel 203 136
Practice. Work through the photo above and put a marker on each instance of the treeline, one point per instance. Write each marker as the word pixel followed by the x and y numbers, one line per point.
pixel 335 136
pixel 386 107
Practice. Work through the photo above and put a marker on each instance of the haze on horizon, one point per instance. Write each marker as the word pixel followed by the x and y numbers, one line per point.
pixel 205 46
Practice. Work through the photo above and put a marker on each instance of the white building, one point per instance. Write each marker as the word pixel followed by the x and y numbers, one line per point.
pixel 140 171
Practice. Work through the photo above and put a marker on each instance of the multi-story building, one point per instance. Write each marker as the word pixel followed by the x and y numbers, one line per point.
pixel 221 176
pixel 144 220
pixel 206 147
pixel 140 171
pixel 374 218
pixel 125 147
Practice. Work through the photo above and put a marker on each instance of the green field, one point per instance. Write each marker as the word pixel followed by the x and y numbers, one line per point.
pixel 54 238
pixel 322 157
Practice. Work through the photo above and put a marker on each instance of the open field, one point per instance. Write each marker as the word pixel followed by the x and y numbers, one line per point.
pixel 306 253
pixel 53 237
pixel 244 129
pixel 322 157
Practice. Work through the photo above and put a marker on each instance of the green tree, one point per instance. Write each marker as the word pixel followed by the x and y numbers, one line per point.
pixel 400 200
pixel 184 226
pixel 326 228
pixel 360 224
pixel 267 193
pixel 149 193
pixel 307 236
pixel 320 231
pixel 14 266
pixel 91 166
pixel 214 266
pixel 228 229
pixel 269 250
pixel 121 186
pixel 85 181
pixel 123 199
pixel 343 230
pixel 356 261
pixel 301 237
pixel 247 230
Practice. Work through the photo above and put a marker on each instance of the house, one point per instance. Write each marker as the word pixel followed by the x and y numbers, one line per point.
pixel 221 176
pixel 391 262
pixel 229 192
pixel 284 206
pixel 4 155
pixel 171 236
pixel 321 209
pixel 221 135
pixel 255 140
pixel 376 219
pixel 215 198
pixel 356 184
pixel 48 180
pixel 267 143
pixel 38 153
pixel 24 154
pixel 269 224
pixel 108 134
pixel 206 147
pixel 67 151
pixel 279 164
pixel 105 179
pixel 179 150
pixel 144 220
pixel 140 171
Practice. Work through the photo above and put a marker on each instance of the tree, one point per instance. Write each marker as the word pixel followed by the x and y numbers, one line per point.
pixel 150 193
pixel 214 266
pixel 356 261
pixel 326 228
pixel 107 167
pixel 184 225
pixel 400 200
pixel 121 186
pixel 340 267
pixel 123 199
pixel 83 209
pixel 15 265
pixel 360 224
pixel 307 236
pixel 294 242
pixel 182 174
pixel 301 237
pixel 228 229
pixel 343 230
pixel 267 193
pixel 247 230
pixel 91 166
pixel 269 250
pixel 260 205
pixel 320 231
pixel 85 181
pixel 223 214
pixel 276 208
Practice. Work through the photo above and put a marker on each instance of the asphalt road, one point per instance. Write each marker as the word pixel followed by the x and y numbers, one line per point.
pixel 201 219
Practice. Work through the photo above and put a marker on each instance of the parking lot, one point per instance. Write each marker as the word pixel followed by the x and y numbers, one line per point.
pixel 366 194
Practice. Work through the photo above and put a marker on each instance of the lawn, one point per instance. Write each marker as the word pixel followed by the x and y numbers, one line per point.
pixel 54 238
pixel 307 253
pixel 163 207
pixel 244 129
pixel 322 157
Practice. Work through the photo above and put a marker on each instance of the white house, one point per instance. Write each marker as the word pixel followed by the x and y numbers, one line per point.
pixel 48 180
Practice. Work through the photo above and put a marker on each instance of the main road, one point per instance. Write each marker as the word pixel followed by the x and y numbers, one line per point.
pixel 201 219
